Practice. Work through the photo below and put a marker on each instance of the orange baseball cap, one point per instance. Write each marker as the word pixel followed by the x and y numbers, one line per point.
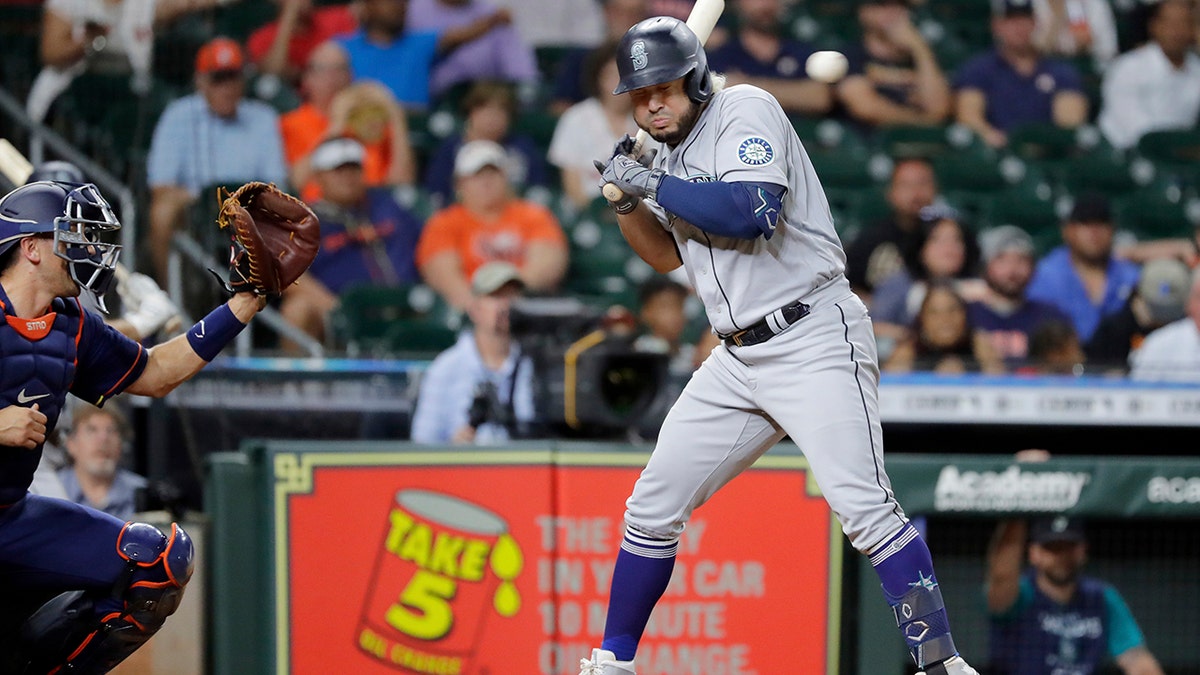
pixel 220 54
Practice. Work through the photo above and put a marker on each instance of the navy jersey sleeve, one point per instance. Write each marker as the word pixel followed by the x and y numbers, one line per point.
pixel 974 74
pixel 107 362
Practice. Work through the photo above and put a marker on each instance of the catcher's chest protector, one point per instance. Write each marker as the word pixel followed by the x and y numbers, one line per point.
pixel 37 365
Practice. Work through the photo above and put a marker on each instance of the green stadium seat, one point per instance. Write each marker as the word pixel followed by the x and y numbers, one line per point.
pixel 1031 208
pixel 391 320
pixel 239 19
pixel 538 125
pixel 1162 209
pixel 974 169
pixel 920 141
pixel 1105 169
pixel 1173 152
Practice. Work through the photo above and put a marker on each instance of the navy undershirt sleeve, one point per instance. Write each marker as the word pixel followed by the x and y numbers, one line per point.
pixel 741 210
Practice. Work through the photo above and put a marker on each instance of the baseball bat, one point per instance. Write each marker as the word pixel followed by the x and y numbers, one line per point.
pixel 701 21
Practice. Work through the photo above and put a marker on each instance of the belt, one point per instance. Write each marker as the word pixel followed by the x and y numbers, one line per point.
pixel 768 327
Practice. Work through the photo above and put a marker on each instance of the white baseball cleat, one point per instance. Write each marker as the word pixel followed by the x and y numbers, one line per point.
pixel 604 662
pixel 955 665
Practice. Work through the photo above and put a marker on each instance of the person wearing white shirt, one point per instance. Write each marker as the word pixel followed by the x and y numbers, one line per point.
pixel 1156 86
pixel 590 128
pixel 1172 353
pixel 1076 28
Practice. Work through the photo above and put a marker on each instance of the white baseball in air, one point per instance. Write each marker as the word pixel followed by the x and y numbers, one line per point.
pixel 827 66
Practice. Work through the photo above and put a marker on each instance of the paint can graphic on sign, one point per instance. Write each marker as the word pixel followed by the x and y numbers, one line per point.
pixel 444 568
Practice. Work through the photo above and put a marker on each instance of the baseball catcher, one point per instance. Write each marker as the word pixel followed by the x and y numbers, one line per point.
pixel 274 238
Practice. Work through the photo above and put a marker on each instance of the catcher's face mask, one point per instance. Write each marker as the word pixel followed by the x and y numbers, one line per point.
pixel 77 233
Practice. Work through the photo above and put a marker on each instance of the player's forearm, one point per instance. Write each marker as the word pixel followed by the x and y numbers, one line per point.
pixel 174 362
pixel 649 240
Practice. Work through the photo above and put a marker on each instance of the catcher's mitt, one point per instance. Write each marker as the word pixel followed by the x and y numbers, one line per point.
pixel 274 238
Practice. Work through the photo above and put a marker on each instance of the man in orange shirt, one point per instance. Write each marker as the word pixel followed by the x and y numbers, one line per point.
pixel 334 107
pixel 488 223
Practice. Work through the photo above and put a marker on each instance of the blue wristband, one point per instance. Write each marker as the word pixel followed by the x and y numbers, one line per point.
pixel 210 335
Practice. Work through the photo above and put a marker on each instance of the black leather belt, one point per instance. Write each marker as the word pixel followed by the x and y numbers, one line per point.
pixel 768 327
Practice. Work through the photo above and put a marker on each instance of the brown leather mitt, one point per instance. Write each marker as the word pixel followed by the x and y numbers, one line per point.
pixel 274 238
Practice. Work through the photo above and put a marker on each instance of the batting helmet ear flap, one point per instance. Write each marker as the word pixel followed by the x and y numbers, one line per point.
pixel 699 84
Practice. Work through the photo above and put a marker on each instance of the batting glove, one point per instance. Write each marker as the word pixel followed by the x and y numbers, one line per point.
pixel 625 147
pixel 629 175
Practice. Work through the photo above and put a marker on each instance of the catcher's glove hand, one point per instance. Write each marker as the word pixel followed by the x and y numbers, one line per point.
pixel 274 238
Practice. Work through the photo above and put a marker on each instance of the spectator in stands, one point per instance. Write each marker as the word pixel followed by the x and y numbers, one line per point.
pixel 557 23
pixel 209 137
pixel 894 77
pixel 487 224
pixel 572 81
pixel 759 53
pixel 1082 277
pixel 488 110
pixel 481 389
pixel 1074 28
pixel 1160 298
pixel 384 49
pixel 334 107
pixel 877 253
pixel 590 128
pixel 499 54
pixel 661 312
pixel 942 338
pixel 1013 85
pixel 1156 86
pixel 1173 351
pixel 944 249
pixel 1052 617
pixel 104 37
pixel 366 237
pixel 94 477
pixel 1003 313
pixel 283 48
pixel 1055 349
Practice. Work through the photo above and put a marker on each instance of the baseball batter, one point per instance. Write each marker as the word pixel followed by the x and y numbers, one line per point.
pixel 734 198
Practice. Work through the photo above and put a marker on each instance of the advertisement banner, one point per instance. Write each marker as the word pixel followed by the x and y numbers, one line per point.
pixel 963 484
pixel 498 563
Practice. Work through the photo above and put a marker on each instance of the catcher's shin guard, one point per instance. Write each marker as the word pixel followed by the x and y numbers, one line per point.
pixel 81 633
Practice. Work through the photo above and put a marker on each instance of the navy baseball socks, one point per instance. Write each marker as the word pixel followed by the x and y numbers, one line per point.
pixel 643 570
pixel 905 570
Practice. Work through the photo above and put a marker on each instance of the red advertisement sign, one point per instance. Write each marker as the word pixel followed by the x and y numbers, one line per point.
pixel 401 565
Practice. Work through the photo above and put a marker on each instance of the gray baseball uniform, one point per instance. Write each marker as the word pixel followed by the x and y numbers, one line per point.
pixel 815 380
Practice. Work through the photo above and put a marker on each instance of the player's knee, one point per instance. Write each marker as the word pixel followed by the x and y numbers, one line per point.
pixel 160 566
pixel 93 632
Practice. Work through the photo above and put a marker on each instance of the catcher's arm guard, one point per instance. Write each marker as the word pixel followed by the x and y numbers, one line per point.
pixel 274 237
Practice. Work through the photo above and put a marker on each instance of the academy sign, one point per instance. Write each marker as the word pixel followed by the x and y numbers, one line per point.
pixel 1013 489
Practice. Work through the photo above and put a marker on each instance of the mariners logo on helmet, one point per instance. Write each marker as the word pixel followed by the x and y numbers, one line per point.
pixel 756 151
pixel 637 52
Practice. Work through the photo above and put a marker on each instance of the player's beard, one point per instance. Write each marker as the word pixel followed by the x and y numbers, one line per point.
pixel 684 127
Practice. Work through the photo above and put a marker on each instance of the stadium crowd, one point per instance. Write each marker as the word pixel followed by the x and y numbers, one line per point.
pixel 1017 182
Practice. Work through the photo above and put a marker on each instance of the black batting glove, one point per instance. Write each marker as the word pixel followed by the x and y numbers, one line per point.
pixel 625 147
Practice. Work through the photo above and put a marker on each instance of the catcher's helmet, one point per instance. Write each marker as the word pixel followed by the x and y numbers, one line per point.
pixel 662 49
pixel 77 214
pixel 56 170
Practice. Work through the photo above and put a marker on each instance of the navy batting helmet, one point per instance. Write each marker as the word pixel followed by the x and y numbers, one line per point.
pixel 56 170
pixel 77 214
pixel 662 49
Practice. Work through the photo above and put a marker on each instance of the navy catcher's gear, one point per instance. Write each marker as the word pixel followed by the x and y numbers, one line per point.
pixel 662 49
pixel 57 171
pixel 84 633
pixel 77 214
